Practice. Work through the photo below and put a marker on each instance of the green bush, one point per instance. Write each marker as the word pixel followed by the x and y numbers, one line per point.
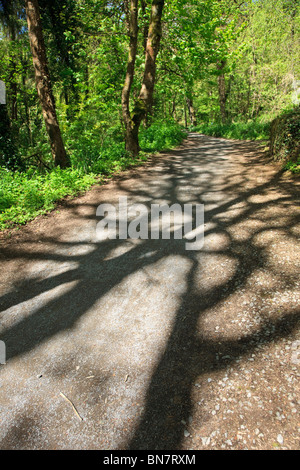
pixel 25 195
pixel 294 167
pixel 285 136
pixel 161 136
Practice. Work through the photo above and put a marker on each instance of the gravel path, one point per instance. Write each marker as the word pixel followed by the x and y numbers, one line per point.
pixel 158 347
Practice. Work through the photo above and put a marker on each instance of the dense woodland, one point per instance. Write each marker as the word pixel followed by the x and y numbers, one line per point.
pixel 93 86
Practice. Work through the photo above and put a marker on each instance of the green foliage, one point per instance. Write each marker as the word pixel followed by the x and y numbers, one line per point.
pixel 262 63
pixel 161 136
pixel 294 167
pixel 245 131
pixel 26 195
pixel 285 136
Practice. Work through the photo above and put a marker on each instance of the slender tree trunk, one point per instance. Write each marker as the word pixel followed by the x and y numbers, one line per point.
pixel 132 23
pixel 222 97
pixel 173 112
pixel 8 152
pixel 152 47
pixel 14 93
pixel 146 25
pixel 43 83
pixel 13 75
pixel 191 109
pixel 11 20
pixel 70 89
pixel 222 90
pixel 87 84
pixel 143 103
pixel 185 115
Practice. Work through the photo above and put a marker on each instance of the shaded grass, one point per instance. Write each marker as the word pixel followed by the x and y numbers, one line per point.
pixel 285 138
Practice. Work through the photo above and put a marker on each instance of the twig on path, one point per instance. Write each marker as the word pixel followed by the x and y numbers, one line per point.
pixel 73 406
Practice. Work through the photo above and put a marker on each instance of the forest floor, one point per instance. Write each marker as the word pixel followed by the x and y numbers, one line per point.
pixel 157 346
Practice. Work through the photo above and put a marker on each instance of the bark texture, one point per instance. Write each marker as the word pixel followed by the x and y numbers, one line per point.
pixel 222 90
pixel 132 25
pixel 191 109
pixel 142 105
pixel 43 83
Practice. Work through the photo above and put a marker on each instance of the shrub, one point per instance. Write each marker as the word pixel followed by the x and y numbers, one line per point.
pixel 285 136
pixel 25 195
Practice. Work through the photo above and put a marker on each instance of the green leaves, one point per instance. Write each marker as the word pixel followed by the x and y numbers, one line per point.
pixel 23 196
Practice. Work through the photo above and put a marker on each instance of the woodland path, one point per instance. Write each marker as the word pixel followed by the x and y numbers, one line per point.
pixel 158 347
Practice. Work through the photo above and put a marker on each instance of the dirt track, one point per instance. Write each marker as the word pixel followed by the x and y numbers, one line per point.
pixel 156 346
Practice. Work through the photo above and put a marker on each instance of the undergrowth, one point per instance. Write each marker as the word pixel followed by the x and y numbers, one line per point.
pixel 26 194
pixel 294 167
pixel 251 130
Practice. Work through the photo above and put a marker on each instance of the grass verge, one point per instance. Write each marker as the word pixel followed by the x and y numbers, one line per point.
pixel 27 194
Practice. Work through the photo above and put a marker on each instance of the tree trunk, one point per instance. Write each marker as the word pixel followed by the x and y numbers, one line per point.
pixel 222 98
pixel 9 15
pixel 185 115
pixel 173 112
pixel 13 74
pixel 192 114
pixel 152 47
pixel 143 103
pixel 8 152
pixel 87 85
pixel 222 91
pixel 70 90
pixel 43 83
pixel 146 25
pixel 132 23
pixel 26 106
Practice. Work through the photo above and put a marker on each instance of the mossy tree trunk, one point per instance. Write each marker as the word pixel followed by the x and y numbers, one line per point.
pixel 142 105
pixel 131 141
pixel 222 90
pixel 43 83
pixel 191 109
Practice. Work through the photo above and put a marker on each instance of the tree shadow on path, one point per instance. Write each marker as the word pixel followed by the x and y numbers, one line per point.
pixel 200 173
